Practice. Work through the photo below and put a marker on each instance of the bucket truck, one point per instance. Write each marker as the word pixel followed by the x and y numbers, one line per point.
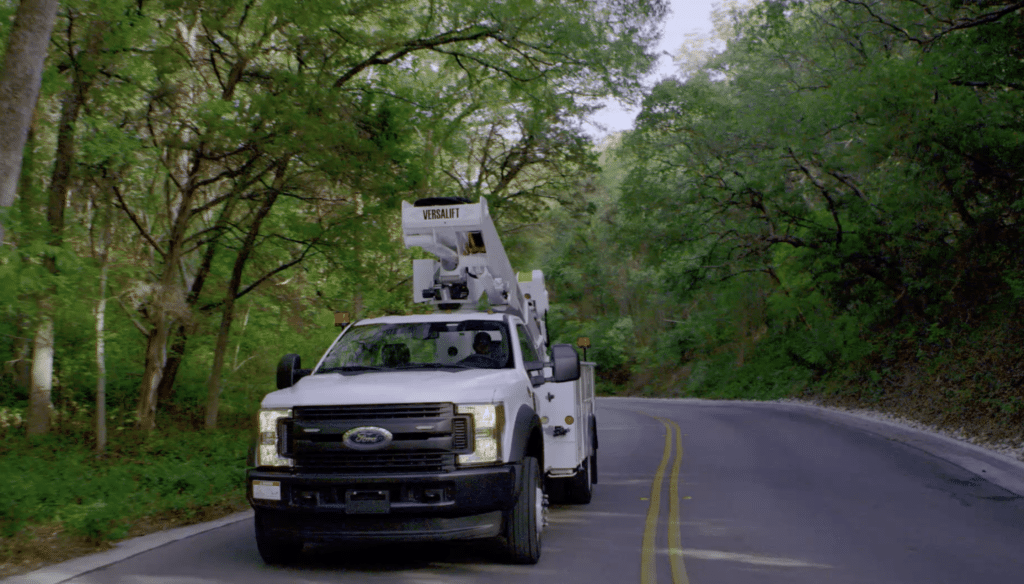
pixel 455 424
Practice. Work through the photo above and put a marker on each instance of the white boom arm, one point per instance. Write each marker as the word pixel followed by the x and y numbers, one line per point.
pixel 471 264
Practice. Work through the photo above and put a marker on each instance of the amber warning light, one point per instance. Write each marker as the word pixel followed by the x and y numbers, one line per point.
pixel 341 319
pixel 583 343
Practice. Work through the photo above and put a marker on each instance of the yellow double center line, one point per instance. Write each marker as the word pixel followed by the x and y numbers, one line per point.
pixel 648 568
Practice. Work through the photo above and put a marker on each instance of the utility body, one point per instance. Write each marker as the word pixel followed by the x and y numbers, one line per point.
pixel 449 425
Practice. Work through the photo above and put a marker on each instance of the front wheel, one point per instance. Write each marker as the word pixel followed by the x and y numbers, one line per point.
pixel 273 549
pixel 524 522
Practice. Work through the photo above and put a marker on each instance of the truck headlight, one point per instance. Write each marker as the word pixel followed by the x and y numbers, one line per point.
pixel 488 424
pixel 269 439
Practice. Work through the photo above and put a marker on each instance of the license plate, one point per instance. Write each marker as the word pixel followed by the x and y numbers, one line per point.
pixel 368 502
pixel 270 490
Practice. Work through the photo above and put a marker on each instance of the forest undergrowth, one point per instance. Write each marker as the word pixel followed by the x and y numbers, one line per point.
pixel 62 501
pixel 965 379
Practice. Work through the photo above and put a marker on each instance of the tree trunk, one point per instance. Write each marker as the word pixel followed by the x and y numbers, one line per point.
pixel 22 361
pixel 156 353
pixel 213 387
pixel 101 362
pixel 19 88
pixel 166 306
pixel 101 331
pixel 228 314
pixel 40 407
pixel 165 390
pixel 60 182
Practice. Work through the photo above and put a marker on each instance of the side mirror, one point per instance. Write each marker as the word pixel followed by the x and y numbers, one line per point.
pixel 536 371
pixel 288 371
pixel 565 363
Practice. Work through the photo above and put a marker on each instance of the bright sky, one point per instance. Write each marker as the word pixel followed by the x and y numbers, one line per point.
pixel 685 16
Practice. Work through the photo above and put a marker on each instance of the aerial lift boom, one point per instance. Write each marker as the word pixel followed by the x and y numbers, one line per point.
pixel 472 271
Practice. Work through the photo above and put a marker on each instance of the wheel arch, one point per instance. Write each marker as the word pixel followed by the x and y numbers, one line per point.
pixel 527 436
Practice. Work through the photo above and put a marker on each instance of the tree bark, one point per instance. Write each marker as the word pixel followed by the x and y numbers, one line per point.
pixel 60 183
pixel 22 365
pixel 19 88
pixel 101 320
pixel 176 352
pixel 40 406
pixel 163 306
pixel 60 180
pixel 156 358
pixel 101 362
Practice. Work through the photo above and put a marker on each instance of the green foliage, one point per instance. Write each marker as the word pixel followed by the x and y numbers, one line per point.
pixel 860 160
pixel 268 144
pixel 769 373
pixel 611 341
pixel 59 480
pixel 1016 284
pixel 193 115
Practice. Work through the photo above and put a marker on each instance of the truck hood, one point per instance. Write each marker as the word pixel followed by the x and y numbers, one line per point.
pixel 396 387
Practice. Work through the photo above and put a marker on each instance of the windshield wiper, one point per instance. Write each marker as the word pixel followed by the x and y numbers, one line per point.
pixel 432 366
pixel 350 369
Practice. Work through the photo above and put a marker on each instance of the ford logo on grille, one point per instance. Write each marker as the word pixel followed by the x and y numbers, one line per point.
pixel 367 438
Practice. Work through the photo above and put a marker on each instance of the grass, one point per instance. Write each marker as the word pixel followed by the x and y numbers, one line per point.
pixel 57 489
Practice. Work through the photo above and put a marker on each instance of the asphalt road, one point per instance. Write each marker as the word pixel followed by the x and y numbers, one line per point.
pixel 689 491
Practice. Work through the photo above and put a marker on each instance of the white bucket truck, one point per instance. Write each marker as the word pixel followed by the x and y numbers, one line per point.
pixel 450 425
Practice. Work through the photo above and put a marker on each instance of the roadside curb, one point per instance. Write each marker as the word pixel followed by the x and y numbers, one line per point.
pixel 65 571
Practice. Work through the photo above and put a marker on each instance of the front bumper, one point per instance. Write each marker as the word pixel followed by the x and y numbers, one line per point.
pixel 462 504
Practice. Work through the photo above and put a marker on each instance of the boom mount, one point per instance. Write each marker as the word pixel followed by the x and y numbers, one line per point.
pixel 472 271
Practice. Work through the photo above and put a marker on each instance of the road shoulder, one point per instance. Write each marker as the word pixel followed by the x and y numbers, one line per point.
pixel 123 550
pixel 991 464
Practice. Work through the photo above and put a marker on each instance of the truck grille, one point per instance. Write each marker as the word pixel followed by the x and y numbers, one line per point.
pixel 425 438
pixel 374 412
pixel 379 463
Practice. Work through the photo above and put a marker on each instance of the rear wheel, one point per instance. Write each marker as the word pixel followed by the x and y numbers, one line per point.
pixel 274 549
pixel 524 522
pixel 593 457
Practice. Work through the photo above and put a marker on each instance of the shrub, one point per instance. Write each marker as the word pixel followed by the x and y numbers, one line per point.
pixel 59 479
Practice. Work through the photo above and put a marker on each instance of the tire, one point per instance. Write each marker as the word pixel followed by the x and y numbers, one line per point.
pixel 275 550
pixel 523 523
pixel 581 489
pixel 593 468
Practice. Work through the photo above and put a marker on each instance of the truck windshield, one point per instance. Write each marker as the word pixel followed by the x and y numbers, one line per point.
pixel 465 344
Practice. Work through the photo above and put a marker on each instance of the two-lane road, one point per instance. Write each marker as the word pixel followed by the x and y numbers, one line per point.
pixel 695 492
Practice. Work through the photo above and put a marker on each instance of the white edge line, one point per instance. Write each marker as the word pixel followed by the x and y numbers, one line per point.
pixel 746 558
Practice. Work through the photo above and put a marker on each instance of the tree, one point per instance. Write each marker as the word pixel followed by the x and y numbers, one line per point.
pixel 825 149
pixel 19 88
pixel 475 44
pixel 253 154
